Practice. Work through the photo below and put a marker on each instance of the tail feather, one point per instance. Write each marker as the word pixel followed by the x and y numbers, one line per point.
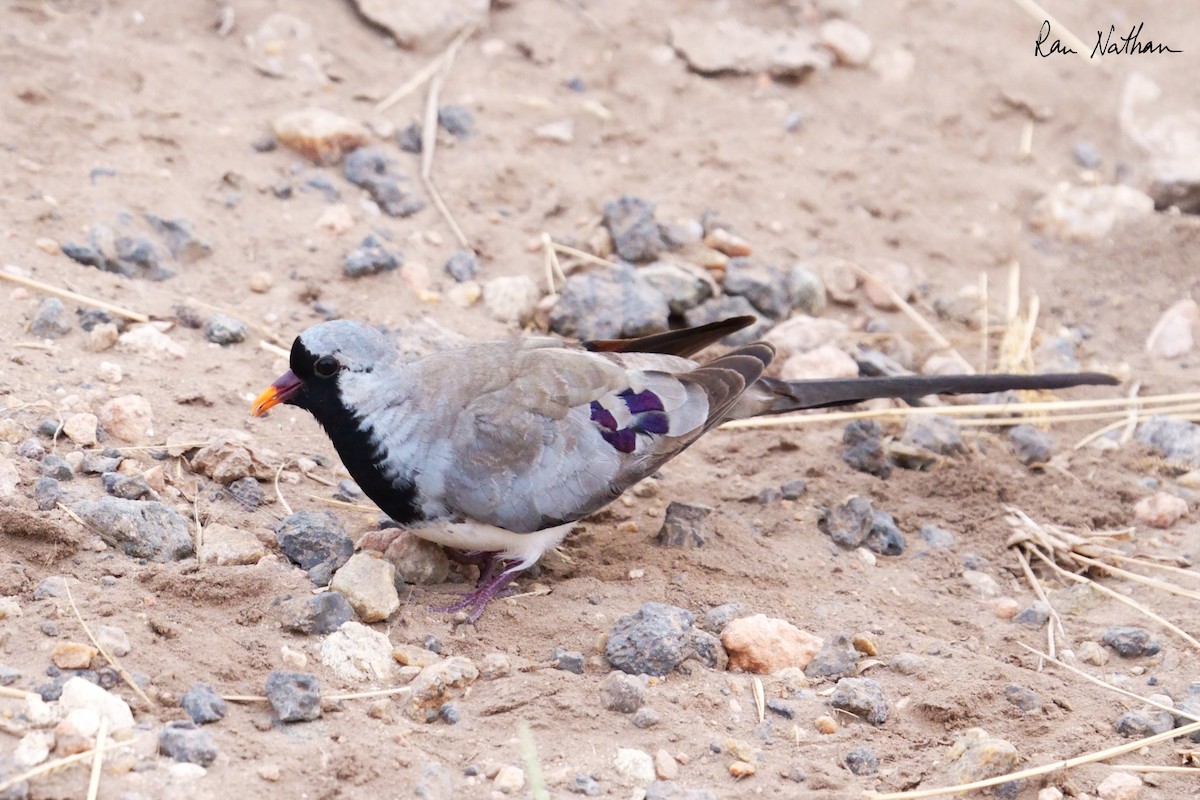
pixel 685 342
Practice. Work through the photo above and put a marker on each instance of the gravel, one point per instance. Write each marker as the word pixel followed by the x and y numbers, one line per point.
pixel 652 641
pixel 139 528
pixel 51 320
pixel 295 696
pixel 635 233
pixel 316 541
pixel 836 658
pixel 1031 445
pixel 462 266
pixel 1131 642
pixel 684 525
pixel 861 761
pixel 224 330
pixel 622 692
pixel 568 660
pixel 183 741
pixel 371 257
pixel 862 697
pixel 884 537
pixel 203 704
pixel 848 523
pixel 1023 698
pixel 609 304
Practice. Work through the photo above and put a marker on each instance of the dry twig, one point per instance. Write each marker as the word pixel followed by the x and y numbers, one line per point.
pixel 67 294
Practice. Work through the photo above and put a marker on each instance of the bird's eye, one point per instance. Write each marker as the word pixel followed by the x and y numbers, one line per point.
pixel 326 367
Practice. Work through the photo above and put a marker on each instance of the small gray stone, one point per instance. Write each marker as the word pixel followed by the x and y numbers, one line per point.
pixel 203 704
pixel 371 169
pixel 140 528
pixel 646 717
pixel 53 466
pixel 224 330
pixel 683 289
pixel 937 538
pixel 1190 705
pixel 295 696
pixel 652 641
pixel 54 586
pixel 126 487
pixel 1023 698
pixel 585 785
pixel 634 230
pixel 31 449
pixel 9 675
pixel 837 657
pixel 183 741
pixel 99 463
pixel 409 139
pixel 457 120
pixel 568 660
pixel 806 291
pixel 177 235
pixel 1176 439
pixel 717 618
pixel 1035 616
pixel 684 525
pixel 623 693
pixel 709 650
pixel 1140 723
pixel 48 493
pixel 861 697
pixel 865 451
pixel 49 428
pixel 1131 642
pixel 320 614
pixel 462 266
pixel 725 307
pixel 1086 155
pixel 609 304
pixel 248 492
pixel 764 285
pixel 794 489
pixel 370 258
pixel 435 783
pixel 884 537
pixel 316 541
pixel 861 761
pixel 1031 445
pixel 849 523
pixel 51 320
pixel 777 706
pixel 936 434
pixel 670 790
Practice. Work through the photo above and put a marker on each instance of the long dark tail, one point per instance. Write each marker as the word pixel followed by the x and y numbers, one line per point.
pixel 774 396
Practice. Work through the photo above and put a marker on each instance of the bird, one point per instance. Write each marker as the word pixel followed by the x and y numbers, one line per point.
pixel 498 449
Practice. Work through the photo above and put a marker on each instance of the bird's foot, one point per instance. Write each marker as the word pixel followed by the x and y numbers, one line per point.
pixel 490 587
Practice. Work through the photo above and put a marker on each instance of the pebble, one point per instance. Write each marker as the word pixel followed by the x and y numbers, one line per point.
pixel 409 139
pixel 51 320
pixel 726 307
pixel 149 341
pixel 356 653
pixel 179 238
pixel 1140 723
pixel 848 523
pixel 1171 336
pixel 226 546
pixel 203 704
pixel 666 768
pixel 10 479
pixel 128 418
pixel 127 487
pixel 622 692
pixel 684 525
pixel 608 304
pixel 139 528
pixel 684 286
pixel 81 429
pixel 977 755
pixel 1131 642
pixel 896 277
pixel 111 373
pixel 321 136
pixel 936 434
pixel 652 641
pixel 411 655
pixel 826 361
pixel 316 541
pixel 1160 510
pixel 417 561
pixel 1090 652
pixel 936 537
pixel 31 449
pixel 32 749
pixel 793 489
pixel 369 584
pixel 183 741
pixel 568 660
pixel 865 451
pixel 114 640
pixel 248 492
pixel 861 761
pixel 465 295
pixel 585 785
pixel 371 169
pixel 1119 786
pixel 635 766
pixel 646 717
pixel 261 282
pixel 727 243
pixel 9 675
pixel 907 663
pixel 1023 698
pixel 438 684
pixel 836 658
pixel 715 620
pixel 1083 213
pixel 764 285
pixel 1178 440
pixel 55 467
pixel 495 666
pixel 862 697
pixel 1189 704
pixel 462 266
pixel 1086 154
pixel 561 131
pixel 320 614
pixel 511 299
pixel 731 46
pixel 884 537
pixel 635 232
pixel 224 330
pixel 777 706
pixel 1031 445
pixel 850 44
pixel 457 120
pixel 79 693
pixel 1035 616
pixel 742 769
pixel 764 645
pixel 295 696
pixel 981 582
pixel 371 257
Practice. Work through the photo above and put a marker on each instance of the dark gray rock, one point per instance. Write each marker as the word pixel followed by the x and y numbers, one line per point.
pixel 764 285
pixel 188 315
pixel 1023 698
pixel 652 641
pixel 568 660
pixel 51 320
pixel 794 489
pixel 462 265
pixel 1131 642
pixel 316 541
pixel 635 232
pixel 1190 704
pixel 724 307
pixel 884 537
pixel 140 257
pixel 409 139
pixel 203 704
pixel 139 528
pixel 371 257
pixel 861 761
pixel 937 538
pixel 54 466
pixel 99 463
pixel 248 492
pixel 646 717
pixel 709 650
pixel 49 428
pixel 936 434
pixel 53 586
pixel 295 696
pixel 224 330
pixel 1176 439
pixel 849 523
pixel 585 785
pixel 48 493
pixel 457 120
pixel 1031 445
pixel 9 675
pixel 1035 616
pixel 777 706
pixel 371 169
pixel 320 614
pixel 684 525
pixel 181 740
pixel 836 658
pixel 683 289
pixel 179 238
pixel 609 304
pixel 127 487
pixel 718 617
pixel 449 714
pixel 865 451
pixel 31 449
pixel 322 185
pixel 806 291
pixel 1143 722
pixel 623 693
pixel 861 697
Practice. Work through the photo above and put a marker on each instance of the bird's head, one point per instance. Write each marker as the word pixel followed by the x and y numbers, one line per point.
pixel 327 360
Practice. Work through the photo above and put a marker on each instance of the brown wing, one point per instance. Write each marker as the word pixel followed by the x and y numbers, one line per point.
pixel 684 342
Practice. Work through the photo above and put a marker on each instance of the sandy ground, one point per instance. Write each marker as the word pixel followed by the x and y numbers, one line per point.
pixel 115 108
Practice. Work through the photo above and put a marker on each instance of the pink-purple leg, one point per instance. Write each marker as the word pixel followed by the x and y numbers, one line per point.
pixel 489 588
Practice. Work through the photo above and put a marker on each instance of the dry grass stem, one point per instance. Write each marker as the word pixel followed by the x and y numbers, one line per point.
pixel 429 134
pixel 15 694
pixel 983 322
pixel 329 501
pixel 275 349
pixel 94 778
pixel 760 698
pixel 125 676
pixel 533 766
pixel 1025 146
pixel 49 348
pixel 583 255
pixel 62 763
pixel 278 494
pixel 67 294
pixel 1055 620
pixel 412 84
pixel 1058 30
pixel 1156 768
